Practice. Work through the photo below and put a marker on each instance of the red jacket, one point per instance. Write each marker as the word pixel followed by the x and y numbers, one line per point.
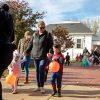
pixel 60 59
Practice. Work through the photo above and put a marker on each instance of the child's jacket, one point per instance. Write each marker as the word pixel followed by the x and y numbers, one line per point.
pixel 14 68
pixel 60 59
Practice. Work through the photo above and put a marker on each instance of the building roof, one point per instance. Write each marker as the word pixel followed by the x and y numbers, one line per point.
pixel 96 37
pixel 72 27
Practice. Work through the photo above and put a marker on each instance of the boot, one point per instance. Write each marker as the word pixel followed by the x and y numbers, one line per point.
pixel 54 90
pixel 59 92
pixel 26 80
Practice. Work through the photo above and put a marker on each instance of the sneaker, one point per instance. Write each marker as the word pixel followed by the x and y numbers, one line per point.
pixel 42 90
pixel 37 89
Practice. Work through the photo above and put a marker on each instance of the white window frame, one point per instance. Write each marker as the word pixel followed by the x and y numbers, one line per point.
pixel 81 43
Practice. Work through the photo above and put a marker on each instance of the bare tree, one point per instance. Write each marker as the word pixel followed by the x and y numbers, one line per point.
pixel 92 24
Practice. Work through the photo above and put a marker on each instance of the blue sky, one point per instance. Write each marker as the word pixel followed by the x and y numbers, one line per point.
pixel 63 10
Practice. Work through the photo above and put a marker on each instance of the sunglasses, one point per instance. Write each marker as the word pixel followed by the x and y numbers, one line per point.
pixel 42 27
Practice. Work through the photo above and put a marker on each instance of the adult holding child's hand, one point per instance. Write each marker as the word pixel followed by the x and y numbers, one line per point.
pixel 49 55
pixel 40 47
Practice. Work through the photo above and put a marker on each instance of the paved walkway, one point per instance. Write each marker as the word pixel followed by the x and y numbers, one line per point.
pixel 75 75
pixel 78 84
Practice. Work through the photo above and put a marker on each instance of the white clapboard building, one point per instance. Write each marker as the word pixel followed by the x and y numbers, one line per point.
pixel 81 35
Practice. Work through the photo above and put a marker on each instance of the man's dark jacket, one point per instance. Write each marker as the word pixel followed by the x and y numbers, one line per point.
pixel 40 45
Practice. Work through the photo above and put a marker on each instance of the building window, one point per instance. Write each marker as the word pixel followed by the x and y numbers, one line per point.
pixel 79 43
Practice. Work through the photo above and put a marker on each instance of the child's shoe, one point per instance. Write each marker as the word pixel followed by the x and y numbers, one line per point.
pixel 14 92
pixel 53 93
pixel 54 89
pixel 59 94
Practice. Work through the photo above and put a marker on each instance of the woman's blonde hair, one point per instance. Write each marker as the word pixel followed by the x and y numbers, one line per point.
pixel 27 33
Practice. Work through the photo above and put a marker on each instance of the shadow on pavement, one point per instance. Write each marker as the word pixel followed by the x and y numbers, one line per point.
pixel 81 93
pixel 29 91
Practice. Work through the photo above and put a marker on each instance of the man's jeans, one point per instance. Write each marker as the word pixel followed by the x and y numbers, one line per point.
pixel 40 72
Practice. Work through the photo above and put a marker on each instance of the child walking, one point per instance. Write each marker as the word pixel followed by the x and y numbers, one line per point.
pixel 15 69
pixel 67 59
pixel 85 61
pixel 56 77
